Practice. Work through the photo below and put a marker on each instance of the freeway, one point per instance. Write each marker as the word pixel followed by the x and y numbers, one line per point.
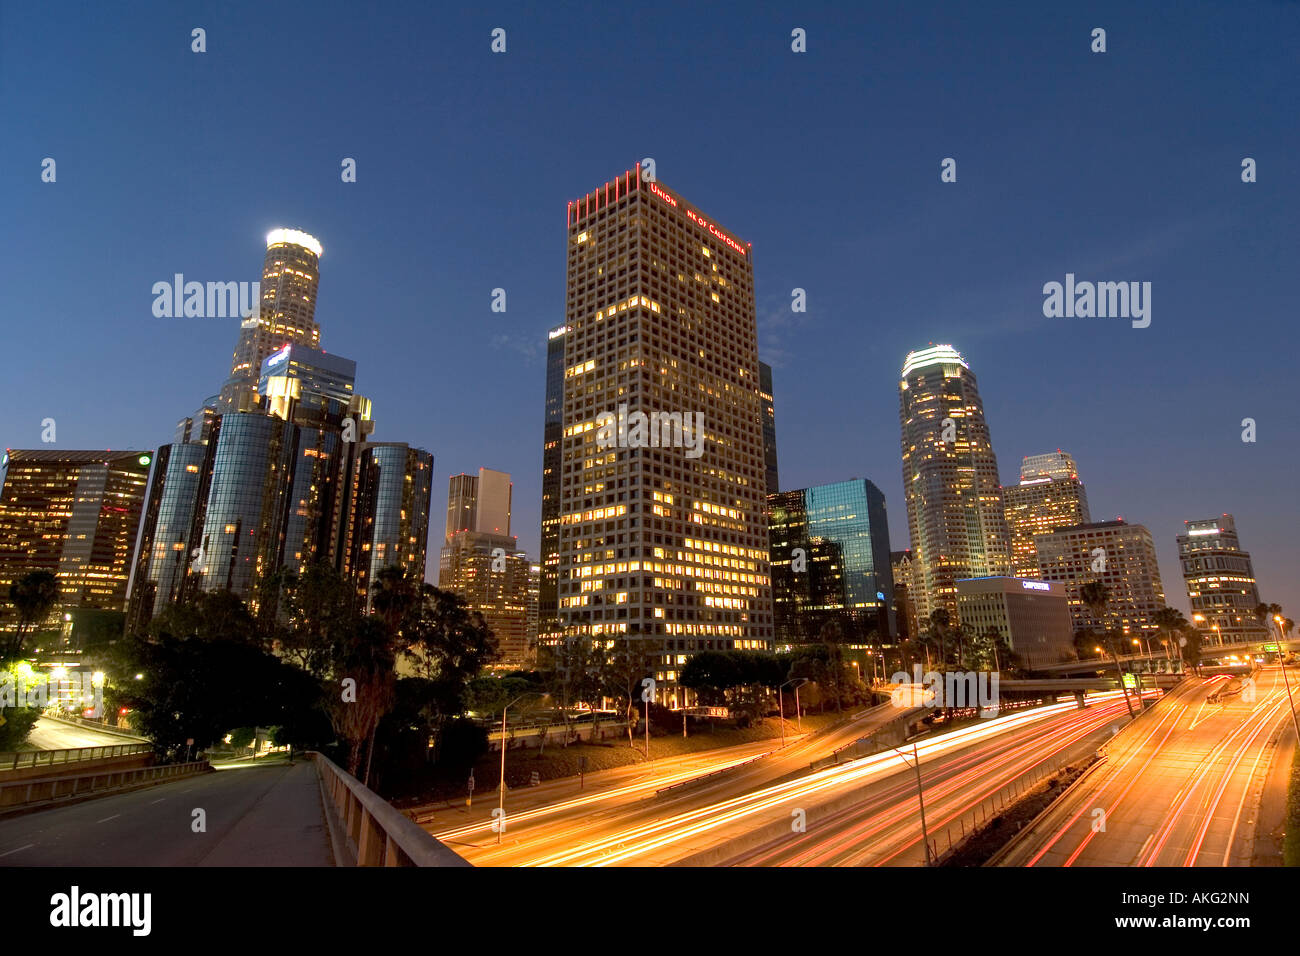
pixel 48 734
pixel 539 826
pixel 701 826
pixel 258 816
pixel 1179 788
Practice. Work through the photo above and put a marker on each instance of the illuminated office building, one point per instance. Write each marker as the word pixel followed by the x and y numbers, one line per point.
pixel 663 537
pixel 390 511
pixel 76 515
pixel 1220 580
pixel 769 428
pixel 481 560
pixel 1049 496
pixel 1121 556
pixel 279 471
pixel 173 522
pixel 548 604
pixel 1033 617
pixel 830 563
pixel 950 480
pixel 286 313
pixel 906 626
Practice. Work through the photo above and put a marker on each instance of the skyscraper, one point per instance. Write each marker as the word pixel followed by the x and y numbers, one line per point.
pixel 1220 580
pixel 769 428
pixel 76 515
pixel 279 471
pixel 905 623
pixel 390 512
pixel 287 312
pixel 1121 556
pixel 1049 496
pixel 830 563
pixel 548 606
pixel 950 480
pixel 481 560
pixel 663 537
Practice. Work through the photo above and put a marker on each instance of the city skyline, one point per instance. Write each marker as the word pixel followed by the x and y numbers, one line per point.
pixel 1130 406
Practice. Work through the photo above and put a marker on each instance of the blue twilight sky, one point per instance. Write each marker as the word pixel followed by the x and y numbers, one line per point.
pixel 1117 166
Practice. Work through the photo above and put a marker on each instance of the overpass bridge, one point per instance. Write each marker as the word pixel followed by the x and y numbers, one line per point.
pixel 1154 662
pixel 307 813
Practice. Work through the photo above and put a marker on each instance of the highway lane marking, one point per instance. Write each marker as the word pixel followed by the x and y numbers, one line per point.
pixel 106 819
pixel 19 850
pixel 159 800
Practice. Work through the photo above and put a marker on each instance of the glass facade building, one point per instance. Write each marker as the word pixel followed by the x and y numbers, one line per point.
pixel 173 521
pixel 248 501
pixel 831 562
pixel 548 607
pixel 955 514
pixel 394 485
pixel 769 428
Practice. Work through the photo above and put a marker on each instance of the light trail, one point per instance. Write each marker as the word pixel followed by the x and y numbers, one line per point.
pixel 662 833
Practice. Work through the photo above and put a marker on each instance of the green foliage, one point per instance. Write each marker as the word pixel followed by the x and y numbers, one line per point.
pixel 34 596
pixel 242 737
pixel 204 688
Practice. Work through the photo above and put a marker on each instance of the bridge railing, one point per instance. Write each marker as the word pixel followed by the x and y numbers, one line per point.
pixel 375 833
pixel 24 759
pixel 33 792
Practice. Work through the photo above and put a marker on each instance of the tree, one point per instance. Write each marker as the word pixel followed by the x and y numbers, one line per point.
pixel 1096 597
pixel 34 596
pixel 1190 647
pixel 628 663
pixel 1170 620
pixel 363 683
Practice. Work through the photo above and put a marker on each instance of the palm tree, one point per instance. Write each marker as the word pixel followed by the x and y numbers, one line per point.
pixel 34 596
pixel 939 621
pixel 1169 620
pixel 1096 597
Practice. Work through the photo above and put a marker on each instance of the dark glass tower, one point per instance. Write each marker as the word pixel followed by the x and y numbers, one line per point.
pixel 769 427
pixel 390 524
pixel 548 608
pixel 843 573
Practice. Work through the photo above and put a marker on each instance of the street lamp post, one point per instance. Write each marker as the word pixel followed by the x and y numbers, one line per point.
pixel 920 799
pixel 780 703
pixel 1281 659
pixel 501 787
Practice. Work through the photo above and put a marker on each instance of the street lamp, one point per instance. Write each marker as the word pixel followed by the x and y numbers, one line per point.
pixel 916 765
pixel 780 703
pixel 1281 646
pixel 501 789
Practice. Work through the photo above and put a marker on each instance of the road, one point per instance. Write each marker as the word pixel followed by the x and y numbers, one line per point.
pixel 542 834
pixel 257 816
pixel 50 734
pixel 1180 787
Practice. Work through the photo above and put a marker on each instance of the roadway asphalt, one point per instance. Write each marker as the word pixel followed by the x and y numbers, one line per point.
pixel 50 734
pixel 1180 787
pixel 541 833
pixel 268 815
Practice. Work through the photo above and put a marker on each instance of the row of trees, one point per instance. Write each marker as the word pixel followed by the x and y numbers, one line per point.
pixel 309 661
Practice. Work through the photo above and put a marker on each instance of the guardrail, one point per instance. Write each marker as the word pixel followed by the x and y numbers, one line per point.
pixel 43 790
pixel 24 759
pixel 96 725
pixel 376 833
